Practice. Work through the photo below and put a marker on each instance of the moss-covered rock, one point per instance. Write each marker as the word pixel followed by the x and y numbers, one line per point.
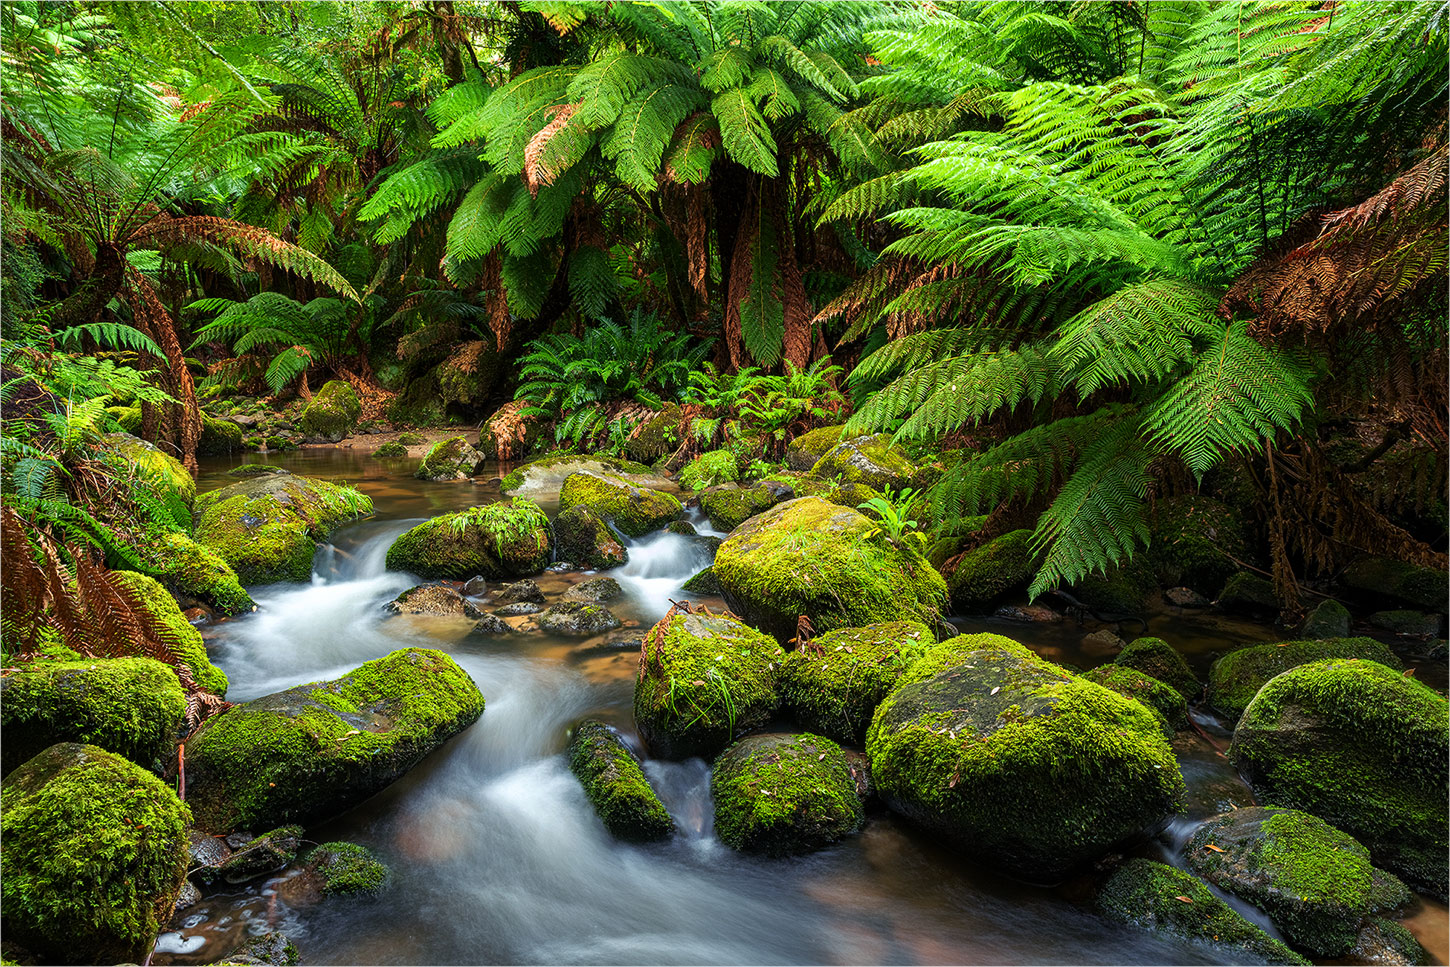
pixel 545 476
pixel 810 557
pixel 95 855
pixel 872 460
pixel 655 435
pixel 806 450
pixel 703 581
pixel 1018 762
pixel 1376 578
pixel 183 640
pixel 191 570
pixel 1122 590
pixel 1163 699
pixel 450 459
pixel 347 869
pixel 311 751
pixel 1165 900
pixel 1363 747
pixel 1409 624
pixel 409 438
pixel 267 526
pixel 1315 882
pixel 833 685
pixel 729 507
pixel 1249 595
pixel 706 680
pixel 501 540
pixel 577 619
pixel 1194 541
pixel 586 539
pixel 218 437
pixel 129 706
pixel 1237 676
pixel 1327 619
pixel 784 794
pixel 708 470
pixel 393 448
pixel 616 785
pixel 332 413
pixel 1000 566
pixel 633 510
pixel 1388 944
pixel 1158 659
pixel 268 853
pixel 163 474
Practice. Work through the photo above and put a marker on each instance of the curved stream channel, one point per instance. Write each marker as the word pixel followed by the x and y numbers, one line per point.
pixel 497 857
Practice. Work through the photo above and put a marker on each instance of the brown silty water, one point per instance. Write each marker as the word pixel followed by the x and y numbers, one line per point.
pixel 497 857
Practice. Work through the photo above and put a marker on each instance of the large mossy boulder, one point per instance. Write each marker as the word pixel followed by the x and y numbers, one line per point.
pixel 1158 659
pixel 1376 578
pixel 1194 543
pixel 1316 883
pixel 729 507
pixel 806 450
pixel 1236 677
pixel 833 684
pixel 656 435
pixel 450 459
pixel 266 526
pixel 616 785
pixel 1018 762
pixel 584 538
pixel 508 539
pixel 129 706
pixel 999 567
pixel 191 570
pixel 1162 699
pixel 783 795
pixel 1168 901
pixel 311 751
pixel 831 564
pixel 1327 619
pixel 95 855
pixel 545 476
pixel 871 460
pixel 634 511
pixel 706 680
pixel 183 641
pixel 332 413
pixel 709 469
pixel 1363 747
pixel 161 472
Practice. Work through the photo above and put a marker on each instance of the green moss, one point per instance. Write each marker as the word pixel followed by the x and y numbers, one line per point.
pixel 410 439
pixel 504 539
pixel 1122 590
pixel 616 785
pixel 1423 588
pixel 393 448
pixel 635 511
pixel 833 685
pixel 1017 761
pixel 1147 894
pixel 1364 748
pixel 1382 941
pixel 218 437
pixel 332 413
pixel 189 569
pixel 347 869
pixel 449 459
pixel 182 639
pixel 278 442
pixel 311 751
pixel 163 474
pixel 1328 619
pixel 870 460
pixel 1236 677
pixel 1001 565
pixel 703 582
pixel 1163 699
pixel 706 680
pixel 656 435
pixel 709 469
pixel 129 706
pixel 1315 882
pixel 804 451
pixel 810 557
pixel 784 794
pixel 1248 594
pixel 729 507
pixel 1194 543
pixel 585 539
pixel 95 853
pixel 1158 659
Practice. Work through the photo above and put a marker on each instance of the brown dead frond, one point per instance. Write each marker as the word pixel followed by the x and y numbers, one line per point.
pixel 542 166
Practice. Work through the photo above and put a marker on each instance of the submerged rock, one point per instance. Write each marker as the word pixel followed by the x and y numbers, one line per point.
pixel 616 785
pixel 450 459
pixel 1158 659
pixel 586 539
pixel 312 751
pixel 438 600
pixel 833 685
pixel 95 855
pixel 1237 676
pixel 502 540
pixel 784 794
pixel 634 510
pixel 577 618
pixel 871 460
pixel 332 413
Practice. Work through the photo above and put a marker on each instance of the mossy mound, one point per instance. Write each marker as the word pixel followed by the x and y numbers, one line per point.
pixel 183 640
pixel 1411 624
pixel 393 448
pixel 783 795
pixel 218 437
pixel 95 855
pixel 267 526
pixel 616 785
pixel 1248 595
pixel 709 469
pixel 833 685
pixel 1236 677
pixel 1375 578
pixel 806 450
pixel 729 507
pixel 586 539
pixel 503 540
pixel 871 460
pixel 1165 900
pixel 1000 566
pixel 190 570
pixel 129 706
pixel 704 581
pixel 1315 882
pixel 810 557
pixel 1018 762
pixel 347 869
pixel 1119 591
pixel 655 435
pixel 707 679
pixel 1194 543
pixel 1328 619
pixel 409 438
pixel 1158 659
pixel 163 473
pixel 314 750
pixel 1163 699
pixel 450 459
pixel 1362 747
pixel 268 853
pixel 545 476
pixel 332 413
pixel 634 511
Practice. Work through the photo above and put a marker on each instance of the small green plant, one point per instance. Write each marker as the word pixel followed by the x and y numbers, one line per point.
pixel 507 521
pixel 892 517
pixel 752 405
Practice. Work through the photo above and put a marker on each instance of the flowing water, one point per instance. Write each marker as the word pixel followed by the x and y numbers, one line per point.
pixel 497 857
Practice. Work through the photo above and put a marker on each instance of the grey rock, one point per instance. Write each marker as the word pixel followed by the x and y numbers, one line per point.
pixel 518 609
pixel 577 618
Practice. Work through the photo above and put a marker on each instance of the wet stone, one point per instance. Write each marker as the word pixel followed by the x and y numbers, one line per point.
pixel 1027 613
pixel 1100 644
pixel 524 591
pixel 577 618
pixel 1186 598
pixel 518 610
pixel 491 626
pixel 475 587
pixel 595 590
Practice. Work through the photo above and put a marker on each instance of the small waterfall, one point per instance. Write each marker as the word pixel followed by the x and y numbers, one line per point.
pixel 658 565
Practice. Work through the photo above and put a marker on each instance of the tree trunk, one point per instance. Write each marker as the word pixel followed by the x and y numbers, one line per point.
pixel 85 304
pixel 729 195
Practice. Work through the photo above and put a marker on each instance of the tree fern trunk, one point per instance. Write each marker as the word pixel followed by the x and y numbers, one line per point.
pixel 86 303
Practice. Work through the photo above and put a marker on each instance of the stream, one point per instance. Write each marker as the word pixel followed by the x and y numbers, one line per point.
pixel 497 857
